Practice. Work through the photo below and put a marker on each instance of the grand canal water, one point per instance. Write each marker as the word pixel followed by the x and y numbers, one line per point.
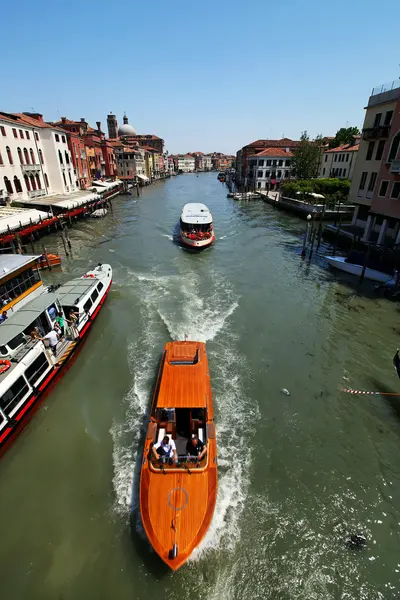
pixel 297 473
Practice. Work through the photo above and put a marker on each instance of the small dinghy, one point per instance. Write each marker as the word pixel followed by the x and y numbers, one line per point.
pixel 99 213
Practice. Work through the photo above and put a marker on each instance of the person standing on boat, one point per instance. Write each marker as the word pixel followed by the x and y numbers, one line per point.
pixel 165 450
pixel 60 320
pixel 52 338
pixel 195 448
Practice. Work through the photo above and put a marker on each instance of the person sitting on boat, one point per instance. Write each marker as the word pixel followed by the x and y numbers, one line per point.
pixel 3 316
pixel 195 448
pixel 165 450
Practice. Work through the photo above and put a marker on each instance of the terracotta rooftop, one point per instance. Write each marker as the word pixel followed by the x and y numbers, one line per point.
pixel 282 143
pixel 148 136
pixel 344 148
pixel 274 152
pixel 30 121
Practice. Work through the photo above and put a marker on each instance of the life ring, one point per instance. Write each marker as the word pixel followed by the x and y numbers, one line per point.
pixel 4 366
pixel 89 275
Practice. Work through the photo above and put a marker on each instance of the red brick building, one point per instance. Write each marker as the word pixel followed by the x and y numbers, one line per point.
pixel 92 153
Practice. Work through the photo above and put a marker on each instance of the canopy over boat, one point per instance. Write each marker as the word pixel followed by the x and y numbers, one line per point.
pixel 196 213
pixel 183 387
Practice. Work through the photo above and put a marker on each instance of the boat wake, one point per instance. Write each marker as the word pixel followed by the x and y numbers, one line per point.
pixel 201 310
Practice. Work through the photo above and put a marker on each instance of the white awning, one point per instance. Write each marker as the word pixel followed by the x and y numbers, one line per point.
pixel 14 218
pixel 142 177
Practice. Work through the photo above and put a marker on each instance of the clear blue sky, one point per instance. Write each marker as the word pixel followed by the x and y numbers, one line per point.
pixel 206 75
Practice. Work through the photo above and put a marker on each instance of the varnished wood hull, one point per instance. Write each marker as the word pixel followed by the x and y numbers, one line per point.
pixel 177 508
pixel 177 504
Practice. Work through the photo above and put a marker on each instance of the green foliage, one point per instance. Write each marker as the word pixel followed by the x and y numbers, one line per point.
pixel 334 190
pixel 306 157
pixel 344 135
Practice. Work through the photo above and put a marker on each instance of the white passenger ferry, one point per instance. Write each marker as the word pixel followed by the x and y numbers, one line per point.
pixel 196 226
pixel 28 366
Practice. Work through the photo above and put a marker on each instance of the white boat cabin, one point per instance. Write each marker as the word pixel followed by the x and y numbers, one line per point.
pixel 31 360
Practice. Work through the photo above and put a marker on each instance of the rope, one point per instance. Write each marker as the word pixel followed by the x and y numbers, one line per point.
pixel 364 393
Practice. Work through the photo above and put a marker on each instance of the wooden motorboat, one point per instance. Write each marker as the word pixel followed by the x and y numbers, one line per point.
pixel 48 259
pixel 177 500
pixel 342 263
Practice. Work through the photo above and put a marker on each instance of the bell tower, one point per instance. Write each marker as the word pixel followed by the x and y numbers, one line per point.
pixel 112 125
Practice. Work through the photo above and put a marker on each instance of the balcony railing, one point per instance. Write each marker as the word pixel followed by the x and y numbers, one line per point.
pixel 386 87
pixel 36 193
pixel 27 168
pixel 395 166
pixel 377 132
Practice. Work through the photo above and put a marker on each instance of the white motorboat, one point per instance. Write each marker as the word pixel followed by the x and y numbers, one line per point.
pixel 196 226
pixel 340 262
pixel 99 213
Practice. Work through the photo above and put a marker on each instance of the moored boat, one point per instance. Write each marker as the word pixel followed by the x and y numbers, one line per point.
pixel 178 493
pixel 343 264
pixel 54 260
pixel 29 366
pixel 196 226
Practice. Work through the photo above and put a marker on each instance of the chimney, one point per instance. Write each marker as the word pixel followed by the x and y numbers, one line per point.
pixel 82 119
pixel 63 119
pixel 34 115
pixel 98 123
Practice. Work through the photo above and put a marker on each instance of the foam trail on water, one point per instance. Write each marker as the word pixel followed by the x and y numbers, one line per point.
pixel 187 305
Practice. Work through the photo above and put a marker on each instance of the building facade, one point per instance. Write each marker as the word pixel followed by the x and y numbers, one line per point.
pixel 242 156
pixel 268 168
pixel 35 159
pixel 374 191
pixel 186 163
pixel 340 162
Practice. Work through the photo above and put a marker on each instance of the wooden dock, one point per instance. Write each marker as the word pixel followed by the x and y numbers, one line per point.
pixel 303 209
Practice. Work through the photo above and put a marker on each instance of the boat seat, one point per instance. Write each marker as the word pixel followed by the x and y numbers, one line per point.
pixel 200 434
pixel 161 434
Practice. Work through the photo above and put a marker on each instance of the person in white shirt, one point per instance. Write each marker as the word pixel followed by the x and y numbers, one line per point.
pixel 165 450
pixel 52 338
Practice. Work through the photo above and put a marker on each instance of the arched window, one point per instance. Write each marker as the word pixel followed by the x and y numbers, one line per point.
pixel 17 183
pixel 70 180
pixel 26 156
pixel 65 181
pixel 46 180
pixel 66 158
pixel 41 157
pixel 27 183
pixel 394 148
pixel 8 185
pixel 39 183
pixel 60 157
pixel 33 182
pixel 32 156
pixel 10 159
pixel 21 160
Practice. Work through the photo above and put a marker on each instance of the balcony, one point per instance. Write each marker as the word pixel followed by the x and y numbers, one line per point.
pixel 375 133
pixel 395 166
pixel 36 193
pixel 30 168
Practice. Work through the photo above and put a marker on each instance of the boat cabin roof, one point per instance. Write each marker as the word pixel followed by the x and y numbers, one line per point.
pixel 21 319
pixel 9 263
pixel 185 381
pixel 70 293
pixel 196 213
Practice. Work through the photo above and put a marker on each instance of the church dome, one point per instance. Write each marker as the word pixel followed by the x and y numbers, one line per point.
pixel 126 129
